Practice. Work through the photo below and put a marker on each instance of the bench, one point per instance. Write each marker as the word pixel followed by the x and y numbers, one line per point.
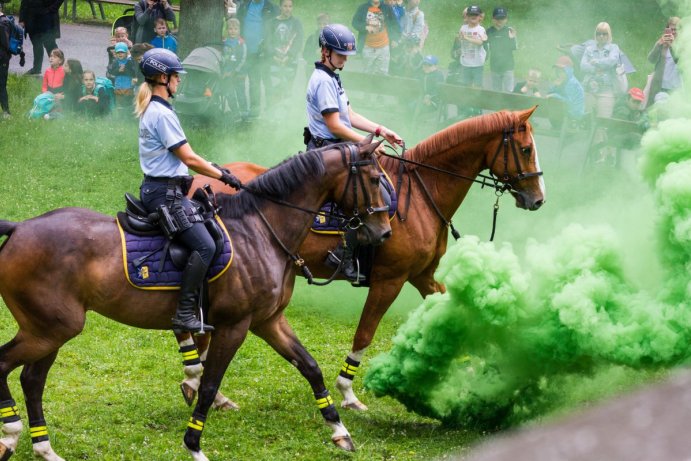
pixel 615 129
pixel 403 90
pixel 126 3
pixel 551 109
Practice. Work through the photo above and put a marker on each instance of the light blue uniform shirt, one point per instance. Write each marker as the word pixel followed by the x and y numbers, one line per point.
pixel 159 133
pixel 325 95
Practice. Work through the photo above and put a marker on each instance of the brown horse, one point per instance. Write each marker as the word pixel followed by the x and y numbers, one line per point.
pixel 57 266
pixel 432 188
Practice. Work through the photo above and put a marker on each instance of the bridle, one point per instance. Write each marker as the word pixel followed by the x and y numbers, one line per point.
pixel 499 184
pixel 350 220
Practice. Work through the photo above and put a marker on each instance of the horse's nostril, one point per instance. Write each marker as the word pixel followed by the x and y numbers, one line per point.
pixel 386 235
pixel 538 204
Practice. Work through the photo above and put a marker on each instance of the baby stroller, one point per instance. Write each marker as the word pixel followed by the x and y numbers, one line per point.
pixel 200 97
pixel 125 20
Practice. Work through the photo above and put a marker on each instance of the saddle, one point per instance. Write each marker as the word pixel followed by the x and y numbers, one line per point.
pixel 137 221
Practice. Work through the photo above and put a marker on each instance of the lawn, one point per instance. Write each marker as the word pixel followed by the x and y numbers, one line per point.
pixel 113 392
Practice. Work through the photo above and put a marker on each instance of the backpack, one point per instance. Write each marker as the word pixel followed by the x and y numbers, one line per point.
pixel 43 104
pixel 16 38
pixel 108 90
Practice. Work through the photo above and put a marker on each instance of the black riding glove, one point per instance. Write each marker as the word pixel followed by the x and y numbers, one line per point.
pixel 229 178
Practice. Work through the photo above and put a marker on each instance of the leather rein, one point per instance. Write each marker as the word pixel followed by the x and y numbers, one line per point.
pixel 500 185
pixel 353 184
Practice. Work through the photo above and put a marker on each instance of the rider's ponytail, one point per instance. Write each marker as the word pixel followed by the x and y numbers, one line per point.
pixel 143 98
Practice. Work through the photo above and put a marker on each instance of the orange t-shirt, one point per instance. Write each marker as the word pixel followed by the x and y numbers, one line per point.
pixel 377 36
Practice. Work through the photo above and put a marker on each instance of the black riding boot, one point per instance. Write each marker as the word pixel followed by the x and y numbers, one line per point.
pixel 344 251
pixel 192 277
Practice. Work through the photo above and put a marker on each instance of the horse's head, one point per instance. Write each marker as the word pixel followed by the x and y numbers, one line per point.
pixel 358 193
pixel 514 162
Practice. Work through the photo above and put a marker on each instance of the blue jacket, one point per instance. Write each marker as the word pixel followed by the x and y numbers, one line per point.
pixel 168 42
pixel 571 91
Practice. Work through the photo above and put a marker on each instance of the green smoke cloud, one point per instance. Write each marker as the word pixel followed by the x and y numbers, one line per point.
pixel 487 353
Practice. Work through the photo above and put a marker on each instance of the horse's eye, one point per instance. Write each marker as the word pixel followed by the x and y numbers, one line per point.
pixel 526 150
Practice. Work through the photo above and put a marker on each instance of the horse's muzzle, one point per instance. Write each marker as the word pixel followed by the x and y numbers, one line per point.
pixel 369 236
pixel 527 201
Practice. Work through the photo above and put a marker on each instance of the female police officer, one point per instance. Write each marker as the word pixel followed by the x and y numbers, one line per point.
pixel 331 119
pixel 165 155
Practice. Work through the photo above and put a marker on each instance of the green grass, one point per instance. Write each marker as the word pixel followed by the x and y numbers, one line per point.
pixel 113 395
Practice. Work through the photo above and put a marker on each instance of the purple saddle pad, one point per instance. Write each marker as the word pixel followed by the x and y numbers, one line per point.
pixel 147 274
pixel 327 222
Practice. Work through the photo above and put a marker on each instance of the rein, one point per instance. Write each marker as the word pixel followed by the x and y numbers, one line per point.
pixel 355 178
pixel 506 183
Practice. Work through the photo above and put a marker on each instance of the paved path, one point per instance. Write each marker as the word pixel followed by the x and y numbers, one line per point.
pixel 87 43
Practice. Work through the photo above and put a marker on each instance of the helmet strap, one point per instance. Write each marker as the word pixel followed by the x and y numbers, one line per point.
pixel 155 82
pixel 327 56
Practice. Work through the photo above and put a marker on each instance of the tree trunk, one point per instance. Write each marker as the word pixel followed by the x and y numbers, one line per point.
pixel 201 24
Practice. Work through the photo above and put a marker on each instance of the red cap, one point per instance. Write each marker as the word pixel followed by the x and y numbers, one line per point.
pixel 637 94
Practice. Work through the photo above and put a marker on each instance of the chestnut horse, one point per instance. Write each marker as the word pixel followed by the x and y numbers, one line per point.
pixel 432 187
pixel 57 266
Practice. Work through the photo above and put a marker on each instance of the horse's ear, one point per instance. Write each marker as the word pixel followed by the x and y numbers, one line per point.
pixel 370 147
pixel 367 140
pixel 525 114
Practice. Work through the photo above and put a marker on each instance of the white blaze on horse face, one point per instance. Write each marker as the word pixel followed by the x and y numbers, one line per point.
pixel 537 166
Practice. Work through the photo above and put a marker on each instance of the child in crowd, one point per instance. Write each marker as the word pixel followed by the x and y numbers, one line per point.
pixel 123 74
pixel 163 38
pixel 234 73
pixel 531 85
pixel 137 51
pixel 431 78
pixel 567 88
pixel 72 84
pixel 120 35
pixel 470 48
pixel 94 101
pixel 283 43
pixel 313 50
pixel 501 41
pixel 54 78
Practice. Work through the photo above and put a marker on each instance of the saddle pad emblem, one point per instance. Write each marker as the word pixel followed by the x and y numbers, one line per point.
pixel 148 276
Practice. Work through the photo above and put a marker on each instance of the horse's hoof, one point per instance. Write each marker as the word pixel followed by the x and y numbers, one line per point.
pixel 5 452
pixel 356 405
pixel 196 455
pixel 344 442
pixel 188 393
pixel 226 405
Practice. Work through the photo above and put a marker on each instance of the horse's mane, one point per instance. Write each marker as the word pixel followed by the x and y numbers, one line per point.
pixel 278 182
pixel 460 132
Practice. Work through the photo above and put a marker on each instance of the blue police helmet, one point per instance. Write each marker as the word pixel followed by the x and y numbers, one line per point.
pixel 338 38
pixel 160 61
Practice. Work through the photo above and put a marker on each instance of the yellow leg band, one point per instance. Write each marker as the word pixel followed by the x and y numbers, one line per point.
pixel 350 369
pixel 195 424
pixel 324 402
pixel 9 411
pixel 38 431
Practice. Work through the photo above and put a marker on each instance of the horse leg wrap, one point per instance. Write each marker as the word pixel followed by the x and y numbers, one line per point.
pixel 349 368
pixel 193 435
pixel 190 355
pixel 11 428
pixel 326 405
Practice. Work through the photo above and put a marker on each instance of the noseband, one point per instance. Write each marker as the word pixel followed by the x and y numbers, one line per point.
pixel 509 142
pixel 357 181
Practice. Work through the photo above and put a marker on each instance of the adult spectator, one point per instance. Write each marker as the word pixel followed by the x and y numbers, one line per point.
pixel 598 66
pixel 41 21
pixel 666 75
pixel 146 12
pixel 5 56
pixel 254 15
pixel 377 28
